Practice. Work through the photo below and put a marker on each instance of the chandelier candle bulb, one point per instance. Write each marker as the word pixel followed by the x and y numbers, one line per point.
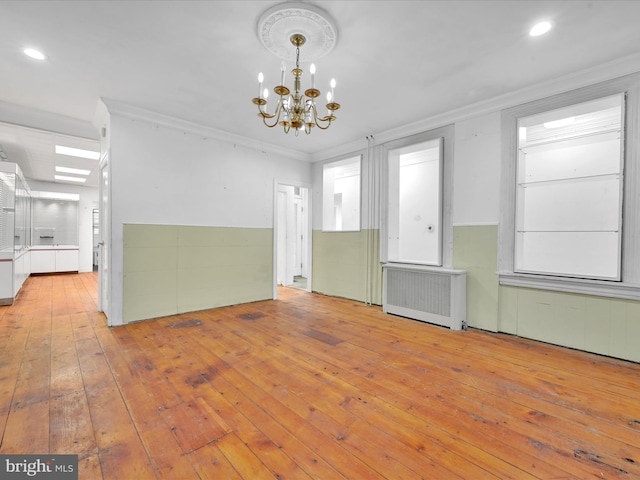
pixel 312 70
pixel 260 80
pixel 296 109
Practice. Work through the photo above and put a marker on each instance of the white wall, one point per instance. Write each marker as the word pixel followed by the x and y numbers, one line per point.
pixel 166 176
pixel 169 176
pixel 476 179
pixel 88 201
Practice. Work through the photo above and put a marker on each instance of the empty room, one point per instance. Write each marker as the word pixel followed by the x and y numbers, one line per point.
pixel 319 239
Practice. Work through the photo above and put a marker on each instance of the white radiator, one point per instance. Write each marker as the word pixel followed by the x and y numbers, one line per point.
pixel 430 294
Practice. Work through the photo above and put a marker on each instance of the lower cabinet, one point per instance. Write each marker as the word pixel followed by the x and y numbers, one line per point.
pixel 66 260
pixel 50 261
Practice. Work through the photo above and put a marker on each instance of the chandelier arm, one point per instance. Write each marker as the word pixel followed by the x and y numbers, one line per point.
pixel 277 114
pixel 317 120
pixel 297 108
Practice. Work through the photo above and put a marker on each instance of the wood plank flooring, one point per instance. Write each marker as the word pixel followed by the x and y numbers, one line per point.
pixel 304 387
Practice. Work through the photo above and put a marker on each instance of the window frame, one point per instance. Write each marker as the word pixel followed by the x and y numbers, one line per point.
pixel 337 161
pixel 446 133
pixel 628 286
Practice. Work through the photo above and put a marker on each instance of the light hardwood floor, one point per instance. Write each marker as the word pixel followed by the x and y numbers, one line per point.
pixel 304 387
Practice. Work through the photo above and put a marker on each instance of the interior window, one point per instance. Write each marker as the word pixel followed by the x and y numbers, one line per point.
pixel 341 195
pixel 415 203
pixel 569 191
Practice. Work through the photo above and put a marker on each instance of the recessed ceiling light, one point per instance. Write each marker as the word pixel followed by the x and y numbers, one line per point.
pixel 70 179
pixel 33 53
pixel 540 29
pixel 77 152
pixel 75 171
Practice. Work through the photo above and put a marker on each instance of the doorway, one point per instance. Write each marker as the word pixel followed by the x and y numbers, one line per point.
pixel 104 246
pixel 293 237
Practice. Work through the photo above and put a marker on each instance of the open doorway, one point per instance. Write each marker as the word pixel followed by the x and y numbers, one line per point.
pixel 293 241
pixel 104 246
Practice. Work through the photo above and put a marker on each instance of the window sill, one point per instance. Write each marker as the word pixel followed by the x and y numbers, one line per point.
pixel 598 288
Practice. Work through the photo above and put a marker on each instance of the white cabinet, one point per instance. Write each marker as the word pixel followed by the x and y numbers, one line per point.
pixel 43 261
pixel 66 260
pixel 50 260
pixel 6 281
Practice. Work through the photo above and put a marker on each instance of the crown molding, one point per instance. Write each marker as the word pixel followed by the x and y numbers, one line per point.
pixel 621 67
pixel 136 113
pixel 47 121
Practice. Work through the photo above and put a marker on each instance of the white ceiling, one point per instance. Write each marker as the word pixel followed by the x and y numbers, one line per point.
pixel 396 62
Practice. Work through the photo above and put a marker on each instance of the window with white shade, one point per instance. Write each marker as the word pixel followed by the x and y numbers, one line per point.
pixel 415 203
pixel 570 189
pixel 570 216
pixel 341 195
pixel 417 198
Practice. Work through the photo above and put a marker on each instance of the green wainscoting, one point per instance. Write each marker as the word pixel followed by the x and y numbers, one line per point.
pixel 607 326
pixel 601 325
pixel 475 249
pixel 347 264
pixel 170 269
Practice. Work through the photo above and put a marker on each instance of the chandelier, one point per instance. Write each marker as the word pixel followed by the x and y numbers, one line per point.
pixel 296 110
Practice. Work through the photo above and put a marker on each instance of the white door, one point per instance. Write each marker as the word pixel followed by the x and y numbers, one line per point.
pixel 104 245
pixel 281 252
pixel 298 212
pixel 285 235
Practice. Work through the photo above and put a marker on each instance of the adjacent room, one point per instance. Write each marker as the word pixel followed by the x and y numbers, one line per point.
pixel 319 239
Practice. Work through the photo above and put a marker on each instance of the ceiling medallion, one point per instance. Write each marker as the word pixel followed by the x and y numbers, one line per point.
pixel 296 24
pixel 279 23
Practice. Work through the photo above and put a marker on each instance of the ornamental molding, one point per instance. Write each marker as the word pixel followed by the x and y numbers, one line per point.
pixel 277 24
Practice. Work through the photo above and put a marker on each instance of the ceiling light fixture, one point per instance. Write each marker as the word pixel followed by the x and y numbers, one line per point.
pixel 33 53
pixel 65 178
pixel 297 110
pixel 56 195
pixel 77 152
pixel 540 29
pixel 74 171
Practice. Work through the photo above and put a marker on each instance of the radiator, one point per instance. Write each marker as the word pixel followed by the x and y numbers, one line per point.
pixel 430 294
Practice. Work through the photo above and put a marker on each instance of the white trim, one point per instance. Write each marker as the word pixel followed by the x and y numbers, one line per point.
pixel 343 158
pixel 475 224
pixel 629 287
pixel 447 133
pixel 423 268
pixel 600 288
pixel 600 73
pixel 136 113
pixel 39 120
pixel 309 232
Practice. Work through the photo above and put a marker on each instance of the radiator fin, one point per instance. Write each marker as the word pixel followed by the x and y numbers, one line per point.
pixel 421 291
